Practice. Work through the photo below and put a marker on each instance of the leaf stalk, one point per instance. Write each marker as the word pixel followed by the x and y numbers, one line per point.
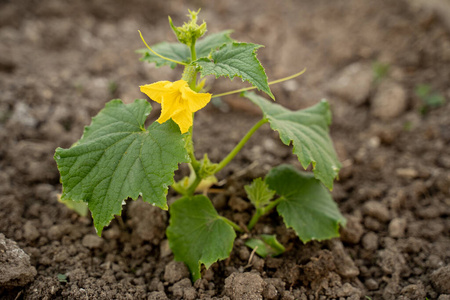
pixel 253 87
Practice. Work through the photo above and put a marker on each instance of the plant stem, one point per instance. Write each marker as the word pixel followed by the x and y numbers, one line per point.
pixel 253 87
pixel 234 225
pixel 191 190
pixel 261 211
pixel 272 205
pixel 193 53
pixel 255 218
pixel 239 146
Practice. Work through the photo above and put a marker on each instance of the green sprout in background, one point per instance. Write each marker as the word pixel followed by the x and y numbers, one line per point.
pixel 430 99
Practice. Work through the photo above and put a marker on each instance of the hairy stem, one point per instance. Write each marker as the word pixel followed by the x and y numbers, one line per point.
pixel 234 225
pixel 253 87
pixel 261 211
pixel 239 146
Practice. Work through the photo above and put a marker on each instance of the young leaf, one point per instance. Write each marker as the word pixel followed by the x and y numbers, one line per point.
pixel 118 158
pixel 308 130
pixel 268 245
pixel 307 206
pixel 236 59
pixel 197 234
pixel 181 52
pixel 259 193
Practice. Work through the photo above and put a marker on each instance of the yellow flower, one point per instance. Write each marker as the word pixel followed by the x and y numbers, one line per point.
pixel 177 100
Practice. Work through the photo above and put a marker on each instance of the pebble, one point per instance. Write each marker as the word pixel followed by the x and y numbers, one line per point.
pixel 371 284
pixel 397 228
pixel 92 241
pixel 164 248
pixel 407 173
pixel 353 83
pixel 370 241
pixel 377 210
pixel 441 279
pixel 390 101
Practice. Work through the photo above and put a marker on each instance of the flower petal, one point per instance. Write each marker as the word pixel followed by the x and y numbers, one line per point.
pixel 157 90
pixel 184 120
pixel 169 106
pixel 195 101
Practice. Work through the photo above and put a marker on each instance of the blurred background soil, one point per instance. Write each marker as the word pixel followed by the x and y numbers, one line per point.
pixel 383 65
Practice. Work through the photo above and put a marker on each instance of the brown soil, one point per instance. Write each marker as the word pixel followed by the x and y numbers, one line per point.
pixel 61 61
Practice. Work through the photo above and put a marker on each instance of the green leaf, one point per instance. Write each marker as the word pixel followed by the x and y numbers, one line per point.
pixel 306 205
pixel 181 52
pixel 259 193
pixel 117 158
pixel 308 130
pixel 197 234
pixel 268 245
pixel 236 59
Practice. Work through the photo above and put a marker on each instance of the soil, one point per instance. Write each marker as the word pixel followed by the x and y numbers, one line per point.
pixel 62 61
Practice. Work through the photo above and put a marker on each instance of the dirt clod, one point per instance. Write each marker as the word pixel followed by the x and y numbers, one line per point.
pixel 390 100
pixel 15 265
pixel 175 271
pixel 244 286
pixel 92 241
pixel 353 231
pixel 397 227
pixel 352 83
pixel 441 279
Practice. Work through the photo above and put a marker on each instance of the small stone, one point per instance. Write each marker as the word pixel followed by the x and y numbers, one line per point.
pixel 441 279
pixel 390 101
pixel 371 284
pixel 244 253
pixel 353 231
pixel 248 286
pixel 92 241
pixel 353 83
pixel 407 173
pixel 370 241
pixel 397 228
pixel 15 265
pixel 164 249
pixel 175 271
pixel 444 297
pixel 377 210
